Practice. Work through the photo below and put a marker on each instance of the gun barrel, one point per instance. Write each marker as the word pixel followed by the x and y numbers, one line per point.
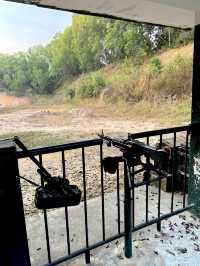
pixel 42 171
pixel 118 143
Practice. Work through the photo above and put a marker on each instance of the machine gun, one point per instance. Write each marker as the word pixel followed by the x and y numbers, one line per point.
pixel 56 191
pixel 133 150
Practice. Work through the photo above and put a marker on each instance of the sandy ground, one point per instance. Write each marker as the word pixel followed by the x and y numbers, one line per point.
pixel 12 101
pixel 18 115
pixel 77 121
pixel 83 122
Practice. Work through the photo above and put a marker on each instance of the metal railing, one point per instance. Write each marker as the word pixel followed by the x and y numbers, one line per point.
pixel 75 146
pixel 157 136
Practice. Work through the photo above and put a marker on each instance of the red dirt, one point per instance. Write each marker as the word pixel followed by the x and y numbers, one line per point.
pixel 12 101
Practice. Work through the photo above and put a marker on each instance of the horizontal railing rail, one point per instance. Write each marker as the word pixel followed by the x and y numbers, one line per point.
pixel 57 148
pixel 158 132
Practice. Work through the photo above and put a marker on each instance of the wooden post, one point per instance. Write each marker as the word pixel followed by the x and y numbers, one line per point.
pixel 194 179
pixel 13 238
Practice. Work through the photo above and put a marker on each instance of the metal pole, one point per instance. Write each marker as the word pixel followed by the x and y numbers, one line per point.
pixel 13 241
pixel 127 213
pixel 194 178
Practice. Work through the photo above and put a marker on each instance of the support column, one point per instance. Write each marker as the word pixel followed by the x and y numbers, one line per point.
pixel 194 178
pixel 13 239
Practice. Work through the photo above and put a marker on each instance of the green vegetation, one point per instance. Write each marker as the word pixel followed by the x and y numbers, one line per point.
pixel 40 139
pixel 89 44
pixel 155 80
pixel 89 87
pixel 175 79
pixel 155 66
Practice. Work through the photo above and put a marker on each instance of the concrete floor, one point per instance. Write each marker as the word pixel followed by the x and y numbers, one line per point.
pixel 177 244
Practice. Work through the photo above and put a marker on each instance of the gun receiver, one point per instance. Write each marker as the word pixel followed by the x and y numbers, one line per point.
pixel 138 149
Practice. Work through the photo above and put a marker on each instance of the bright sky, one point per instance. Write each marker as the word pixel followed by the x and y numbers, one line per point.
pixel 23 26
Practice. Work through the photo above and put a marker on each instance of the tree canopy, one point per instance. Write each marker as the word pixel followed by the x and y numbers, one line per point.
pixel 88 44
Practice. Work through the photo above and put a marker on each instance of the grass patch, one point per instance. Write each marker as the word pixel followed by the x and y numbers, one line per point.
pixel 40 139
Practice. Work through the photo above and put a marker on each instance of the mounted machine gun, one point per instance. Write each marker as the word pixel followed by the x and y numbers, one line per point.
pixel 56 191
pixel 134 152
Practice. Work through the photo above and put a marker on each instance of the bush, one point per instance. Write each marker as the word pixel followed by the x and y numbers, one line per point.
pixel 91 86
pixel 140 57
pixel 70 93
pixel 155 66
pixel 175 78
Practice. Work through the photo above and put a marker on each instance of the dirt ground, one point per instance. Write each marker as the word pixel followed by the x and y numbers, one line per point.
pixel 74 122
pixel 12 101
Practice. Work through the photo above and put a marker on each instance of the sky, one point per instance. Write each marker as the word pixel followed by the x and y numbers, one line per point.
pixel 23 26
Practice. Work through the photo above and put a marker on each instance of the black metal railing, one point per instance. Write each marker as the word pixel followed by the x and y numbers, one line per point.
pixel 157 137
pixel 78 146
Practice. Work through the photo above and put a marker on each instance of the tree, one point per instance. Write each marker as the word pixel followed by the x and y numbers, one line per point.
pixel 88 42
pixel 39 70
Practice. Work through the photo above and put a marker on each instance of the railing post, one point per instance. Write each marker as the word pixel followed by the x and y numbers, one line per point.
pixel 13 239
pixel 127 214
pixel 194 177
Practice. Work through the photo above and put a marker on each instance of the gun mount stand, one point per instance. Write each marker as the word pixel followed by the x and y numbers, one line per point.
pixel 132 153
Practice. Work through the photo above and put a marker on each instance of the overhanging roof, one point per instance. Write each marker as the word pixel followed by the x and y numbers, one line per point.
pixel 175 13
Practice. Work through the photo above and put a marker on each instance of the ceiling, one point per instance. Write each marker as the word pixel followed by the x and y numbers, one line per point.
pixel 175 13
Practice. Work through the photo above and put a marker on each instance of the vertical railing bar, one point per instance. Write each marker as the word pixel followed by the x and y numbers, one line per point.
pixel 147 202
pixel 118 200
pixel 185 170
pixel 127 208
pixel 173 172
pixel 102 192
pixel 147 188
pixel 63 165
pixel 159 189
pixel 87 254
pixel 66 209
pixel 161 141
pixel 159 199
pixel 46 222
pixel 133 195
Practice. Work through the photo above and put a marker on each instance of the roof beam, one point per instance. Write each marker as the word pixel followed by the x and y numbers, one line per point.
pixel 177 13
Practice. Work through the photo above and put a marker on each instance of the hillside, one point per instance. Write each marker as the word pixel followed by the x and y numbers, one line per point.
pixel 163 77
